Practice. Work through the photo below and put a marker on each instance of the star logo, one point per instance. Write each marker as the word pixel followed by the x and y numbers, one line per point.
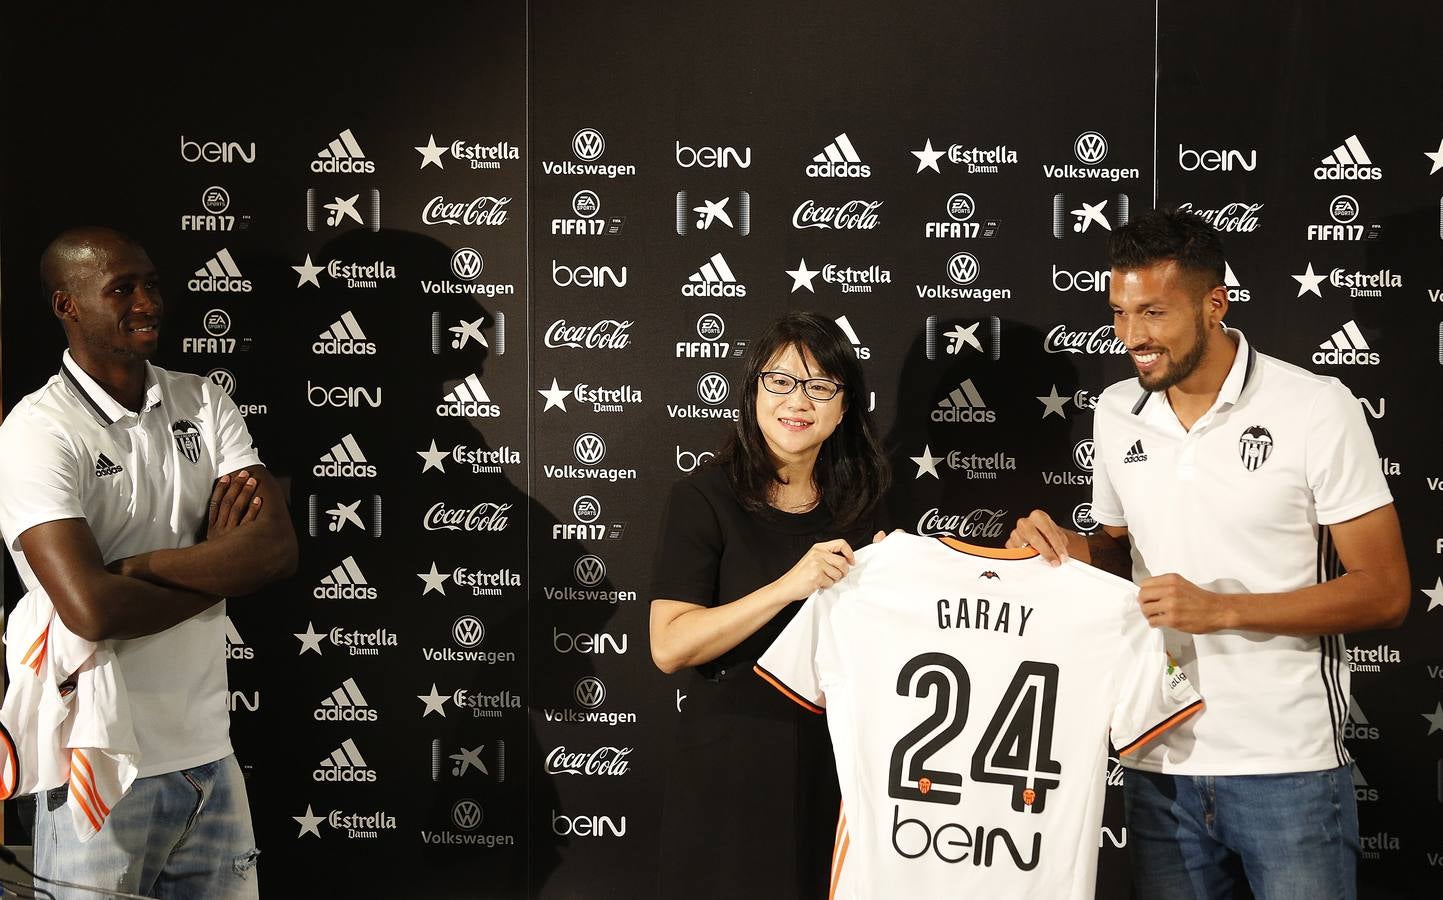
pixel 1435 719
pixel 1434 595
pixel 555 397
pixel 431 154
pixel 310 640
pixel 432 459
pixel 802 277
pixel 467 760
pixel 1090 213
pixel 435 702
pixel 435 581
pixel 1308 282
pixel 343 209
pixel 1053 404
pixel 308 272
pixel 959 336
pixel 467 332
pixel 927 462
pixel 310 822
pixel 1437 157
pixel 927 157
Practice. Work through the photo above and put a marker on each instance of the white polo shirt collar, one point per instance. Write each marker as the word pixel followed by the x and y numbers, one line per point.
pixel 1232 388
pixel 97 400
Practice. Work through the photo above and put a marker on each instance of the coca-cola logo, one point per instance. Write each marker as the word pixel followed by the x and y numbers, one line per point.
pixel 978 524
pixel 854 215
pixel 607 334
pixel 601 761
pixel 481 517
pixel 1099 340
pixel 483 210
pixel 1234 218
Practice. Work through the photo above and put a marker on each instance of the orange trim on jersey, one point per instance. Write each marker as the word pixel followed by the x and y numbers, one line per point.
pixel 40 645
pixel 776 682
pixel 1191 709
pixel 840 859
pixel 80 802
pixel 89 775
pixel 12 762
pixel 989 552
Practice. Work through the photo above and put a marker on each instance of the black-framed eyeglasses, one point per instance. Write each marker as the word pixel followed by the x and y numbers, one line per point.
pixel 819 389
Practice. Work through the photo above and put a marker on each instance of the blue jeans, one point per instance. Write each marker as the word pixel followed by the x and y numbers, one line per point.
pixel 175 836
pixel 1273 837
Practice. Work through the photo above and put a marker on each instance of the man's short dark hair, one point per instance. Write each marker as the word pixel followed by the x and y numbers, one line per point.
pixel 1161 235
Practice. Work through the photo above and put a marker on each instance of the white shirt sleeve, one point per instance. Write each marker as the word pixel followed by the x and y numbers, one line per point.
pixel 1153 694
pixel 1106 504
pixel 39 478
pixel 234 449
pixel 791 663
pixel 1342 463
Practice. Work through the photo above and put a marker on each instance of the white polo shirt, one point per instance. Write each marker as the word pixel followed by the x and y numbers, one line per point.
pixel 1241 504
pixel 142 482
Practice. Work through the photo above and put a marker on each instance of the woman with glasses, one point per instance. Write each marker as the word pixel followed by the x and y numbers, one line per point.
pixel 751 793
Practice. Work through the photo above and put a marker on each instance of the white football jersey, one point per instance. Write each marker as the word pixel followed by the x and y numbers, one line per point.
pixel 970 694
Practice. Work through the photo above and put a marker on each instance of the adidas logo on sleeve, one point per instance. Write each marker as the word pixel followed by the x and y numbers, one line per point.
pixel 1135 453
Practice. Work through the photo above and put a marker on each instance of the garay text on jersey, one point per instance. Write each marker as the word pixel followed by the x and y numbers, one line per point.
pixel 982 614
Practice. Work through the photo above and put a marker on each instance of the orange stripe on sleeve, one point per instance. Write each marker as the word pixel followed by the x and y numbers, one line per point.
pixel 1191 709
pixel 837 869
pixel 39 643
pixel 89 775
pixel 80 801
pixel 776 682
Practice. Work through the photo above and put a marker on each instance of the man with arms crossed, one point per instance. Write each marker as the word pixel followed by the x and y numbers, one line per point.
pixel 108 473
pixel 1235 487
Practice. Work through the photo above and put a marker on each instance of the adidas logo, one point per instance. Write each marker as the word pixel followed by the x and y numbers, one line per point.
pixel 344 338
pixel 344 460
pixel 346 582
pixel 1236 292
pixel 344 764
pixel 104 467
pixel 1135 453
pixel 468 400
pixel 963 404
pixel 346 704
pixel 235 647
pixel 1348 162
pixel 839 159
pixel 714 279
pixel 846 325
pixel 220 275
pixel 343 154
pixel 1346 347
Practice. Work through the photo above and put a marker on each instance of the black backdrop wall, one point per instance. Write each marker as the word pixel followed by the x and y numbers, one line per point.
pixel 524 332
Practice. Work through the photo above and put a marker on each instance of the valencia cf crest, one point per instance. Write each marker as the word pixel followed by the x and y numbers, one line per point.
pixel 187 439
pixel 1255 446
pixel 990 574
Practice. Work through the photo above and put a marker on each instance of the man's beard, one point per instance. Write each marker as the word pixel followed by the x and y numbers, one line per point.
pixel 1180 368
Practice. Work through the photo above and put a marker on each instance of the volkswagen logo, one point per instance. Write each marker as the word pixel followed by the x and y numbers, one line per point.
pixel 215 199
pixel 963 268
pixel 589 571
pixel 960 207
pixel 217 322
pixel 223 379
pixel 586 204
pixel 1344 209
pixel 1082 517
pixel 466 814
pixel 710 327
pixel 712 388
pixel 466 264
pixel 468 631
pixel 1090 147
pixel 1082 454
pixel 586 509
pixel 588 144
pixel 589 449
pixel 590 692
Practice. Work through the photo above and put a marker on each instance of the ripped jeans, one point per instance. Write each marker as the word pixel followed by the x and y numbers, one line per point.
pixel 179 836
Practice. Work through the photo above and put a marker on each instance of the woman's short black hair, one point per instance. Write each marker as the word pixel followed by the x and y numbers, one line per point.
pixel 852 473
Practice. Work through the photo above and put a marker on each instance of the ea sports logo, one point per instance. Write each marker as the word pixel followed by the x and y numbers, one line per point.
pixel 585 204
pixel 468 631
pixel 586 509
pixel 960 207
pixel 1343 209
pixel 590 692
pixel 1082 454
pixel 712 388
pixel 222 379
pixel 466 815
pixel 588 144
pixel 710 327
pixel 589 449
pixel 215 199
pixel 963 268
pixel 1090 148
pixel 466 264
pixel 1082 517
pixel 216 323
pixel 589 571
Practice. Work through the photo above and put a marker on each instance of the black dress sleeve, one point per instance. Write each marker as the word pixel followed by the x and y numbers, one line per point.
pixel 688 549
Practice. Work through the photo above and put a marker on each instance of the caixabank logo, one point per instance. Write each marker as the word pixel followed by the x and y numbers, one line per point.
pixel 714 214
pixel 361 208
